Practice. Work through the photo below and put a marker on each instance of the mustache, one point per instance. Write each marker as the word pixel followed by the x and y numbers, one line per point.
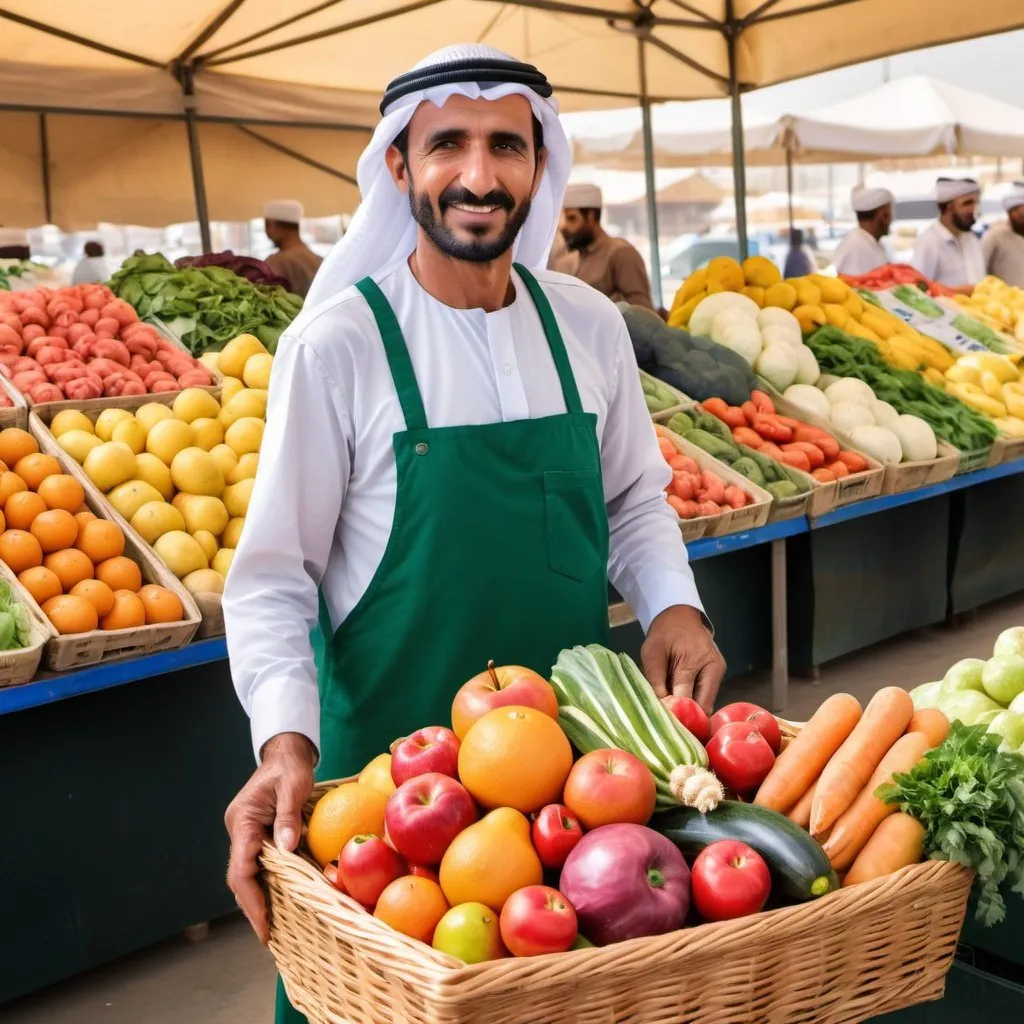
pixel 496 197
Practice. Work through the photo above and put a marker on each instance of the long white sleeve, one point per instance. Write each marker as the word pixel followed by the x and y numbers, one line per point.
pixel 926 255
pixel 648 564
pixel 270 601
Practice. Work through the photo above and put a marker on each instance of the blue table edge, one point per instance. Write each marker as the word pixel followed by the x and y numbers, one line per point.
pixel 203 652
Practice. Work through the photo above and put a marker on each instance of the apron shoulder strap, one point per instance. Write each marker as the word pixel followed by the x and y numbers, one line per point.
pixel 570 392
pixel 397 351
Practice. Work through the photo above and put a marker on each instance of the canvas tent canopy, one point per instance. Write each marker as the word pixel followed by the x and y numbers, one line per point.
pixel 300 61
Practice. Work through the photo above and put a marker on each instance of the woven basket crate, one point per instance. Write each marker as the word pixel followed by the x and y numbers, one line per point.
pixel 20 666
pixel 847 957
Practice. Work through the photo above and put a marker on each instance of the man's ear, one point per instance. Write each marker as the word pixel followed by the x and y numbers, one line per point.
pixel 397 167
pixel 542 162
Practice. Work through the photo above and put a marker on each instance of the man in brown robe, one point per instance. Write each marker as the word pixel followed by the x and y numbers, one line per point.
pixel 294 260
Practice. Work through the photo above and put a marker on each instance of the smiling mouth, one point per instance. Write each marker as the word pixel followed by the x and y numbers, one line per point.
pixel 473 208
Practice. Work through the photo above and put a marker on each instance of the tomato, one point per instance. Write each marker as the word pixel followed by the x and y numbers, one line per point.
pixel 367 866
pixel 556 830
pixel 690 714
pixel 537 920
pixel 740 756
pixel 729 880
pixel 766 723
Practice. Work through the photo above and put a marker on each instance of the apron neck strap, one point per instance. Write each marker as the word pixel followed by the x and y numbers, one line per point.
pixel 570 392
pixel 397 352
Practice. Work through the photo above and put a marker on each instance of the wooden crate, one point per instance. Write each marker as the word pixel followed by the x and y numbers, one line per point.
pixel 76 651
pixel 20 666
pixel 17 414
pixel 1006 449
pixel 683 402
pixel 909 476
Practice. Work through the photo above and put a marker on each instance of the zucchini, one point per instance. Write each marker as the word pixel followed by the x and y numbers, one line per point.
pixel 794 858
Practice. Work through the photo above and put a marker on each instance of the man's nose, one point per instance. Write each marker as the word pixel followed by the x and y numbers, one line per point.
pixel 478 172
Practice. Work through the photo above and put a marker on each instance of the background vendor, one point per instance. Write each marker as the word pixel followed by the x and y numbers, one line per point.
pixel 948 251
pixel 1003 244
pixel 294 260
pixel 861 251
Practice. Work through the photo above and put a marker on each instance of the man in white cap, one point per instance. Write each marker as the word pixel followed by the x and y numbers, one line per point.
pixel 1003 244
pixel 611 265
pixel 861 251
pixel 457 458
pixel 294 260
pixel 948 251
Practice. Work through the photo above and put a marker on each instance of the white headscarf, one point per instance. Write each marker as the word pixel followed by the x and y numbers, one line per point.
pixel 867 200
pixel 1015 197
pixel 383 229
pixel 948 189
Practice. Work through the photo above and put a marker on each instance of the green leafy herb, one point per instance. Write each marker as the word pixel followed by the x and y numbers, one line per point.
pixel 15 627
pixel 969 795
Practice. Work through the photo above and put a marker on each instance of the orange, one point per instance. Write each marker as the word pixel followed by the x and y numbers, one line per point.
pixel 21 508
pixel 10 483
pixel 71 614
pixel 128 612
pixel 55 530
pixel 348 810
pixel 101 539
pixel 62 491
pixel 41 583
pixel 15 444
pixel 490 860
pixel 34 469
pixel 101 596
pixel 515 757
pixel 120 573
pixel 71 567
pixel 161 604
pixel 83 517
pixel 20 550
pixel 413 906
pixel 3 523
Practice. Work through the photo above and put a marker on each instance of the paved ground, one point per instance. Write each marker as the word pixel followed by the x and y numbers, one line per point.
pixel 229 977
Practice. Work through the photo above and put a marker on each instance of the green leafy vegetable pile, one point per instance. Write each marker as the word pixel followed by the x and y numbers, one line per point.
pixel 908 392
pixel 204 306
pixel 15 625
pixel 969 796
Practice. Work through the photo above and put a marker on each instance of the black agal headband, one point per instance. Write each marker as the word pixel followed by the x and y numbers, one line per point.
pixel 483 71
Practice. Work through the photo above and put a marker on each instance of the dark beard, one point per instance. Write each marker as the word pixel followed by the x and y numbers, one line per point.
pixel 579 241
pixel 963 223
pixel 476 250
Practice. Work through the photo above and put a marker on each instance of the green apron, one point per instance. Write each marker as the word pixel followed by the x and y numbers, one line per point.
pixel 498 549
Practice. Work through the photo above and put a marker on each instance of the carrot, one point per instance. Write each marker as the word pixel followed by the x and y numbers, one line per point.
pixel 829 446
pixel 812 451
pixel 855 463
pixel 810 434
pixel 733 417
pixel 932 723
pixel 801 813
pixel 744 435
pixel 716 406
pixel 762 403
pixel 886 717
pixel 788 421
pixel 853 828
pixel 750 411
pixel 797 767
pixel 840 469
pixel 797 459
pixel 824 476
pixel 770 450
pixel 896 843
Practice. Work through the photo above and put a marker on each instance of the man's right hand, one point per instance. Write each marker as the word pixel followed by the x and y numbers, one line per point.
pixel 272 798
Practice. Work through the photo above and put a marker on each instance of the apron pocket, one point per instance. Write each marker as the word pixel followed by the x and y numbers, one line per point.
pixel 575 511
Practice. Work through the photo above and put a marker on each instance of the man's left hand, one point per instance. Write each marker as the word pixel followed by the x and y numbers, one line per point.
pixel 680 656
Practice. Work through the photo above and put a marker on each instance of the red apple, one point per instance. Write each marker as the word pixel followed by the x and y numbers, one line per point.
pixel 729 880
pixel 425 814
pixel 556 830
pixel 332 876
pixel 740 756
pixel 610 787
pixel 537 920
pixel 500 687
pixel 742 711
pixel 689 714
pixel 367 866
pixel 434 749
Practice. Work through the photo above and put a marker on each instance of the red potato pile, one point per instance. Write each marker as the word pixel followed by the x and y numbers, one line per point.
pixel 792 442
pixel 83 342
pixel 695 493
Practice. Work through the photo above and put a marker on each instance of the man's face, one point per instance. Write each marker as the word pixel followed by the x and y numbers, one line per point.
pixel 470 173
pixel 965 211
pixel 883 220
pixel 273 231
pixel 577 228
pixel 1016 216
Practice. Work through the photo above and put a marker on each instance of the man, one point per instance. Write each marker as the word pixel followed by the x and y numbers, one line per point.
pixel 611 265
pixel 799 259
pixel 294 260
pixel 457 458
pixel 92 267
pixel 1003 244
pixel 948 251
pixel 861 251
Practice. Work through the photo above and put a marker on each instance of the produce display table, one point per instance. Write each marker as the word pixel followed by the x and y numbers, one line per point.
pixel 121 791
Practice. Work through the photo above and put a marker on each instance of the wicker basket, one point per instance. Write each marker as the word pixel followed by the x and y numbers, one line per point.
pixel 20 666
pixel 847 957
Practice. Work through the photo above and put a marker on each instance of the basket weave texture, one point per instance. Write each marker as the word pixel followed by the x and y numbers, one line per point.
pixel 847 957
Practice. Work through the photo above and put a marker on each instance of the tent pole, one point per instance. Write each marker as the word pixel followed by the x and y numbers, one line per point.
pixel 649 182
pixel 196 159
pixel 789 187
pixel 44 159
pixel 739 170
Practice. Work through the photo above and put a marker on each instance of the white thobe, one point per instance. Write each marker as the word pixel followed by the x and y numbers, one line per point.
pixel 324 499
pixel 1004 254
pixel 859 253
pixel 951 259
